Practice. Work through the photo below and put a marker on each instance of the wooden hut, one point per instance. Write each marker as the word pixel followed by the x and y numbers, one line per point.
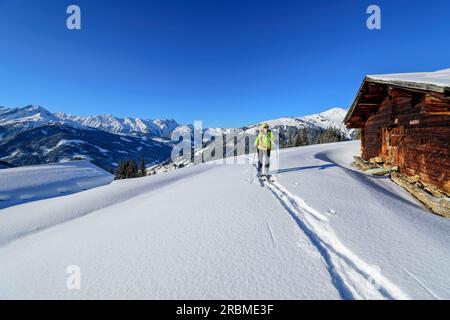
pixel 405 121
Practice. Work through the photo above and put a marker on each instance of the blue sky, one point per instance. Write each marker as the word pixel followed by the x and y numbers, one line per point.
pixel 228 63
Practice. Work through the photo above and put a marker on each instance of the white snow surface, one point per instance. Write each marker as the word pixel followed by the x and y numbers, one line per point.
pixel 439 78
pixel 31 183
pixel 320 231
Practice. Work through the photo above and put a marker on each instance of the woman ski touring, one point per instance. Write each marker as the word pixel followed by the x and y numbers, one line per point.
pixel 264 143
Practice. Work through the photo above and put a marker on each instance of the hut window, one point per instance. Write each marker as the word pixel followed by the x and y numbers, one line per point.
pixel 423 141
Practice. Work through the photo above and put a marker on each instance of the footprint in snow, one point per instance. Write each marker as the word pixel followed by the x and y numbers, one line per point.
pixel 331 211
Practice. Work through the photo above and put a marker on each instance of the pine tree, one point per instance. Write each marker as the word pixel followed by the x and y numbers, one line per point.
pixel 330 135
pixel 120 171
pixel 302 138
pixel 143 169
pixel 133 169
pixel 127 169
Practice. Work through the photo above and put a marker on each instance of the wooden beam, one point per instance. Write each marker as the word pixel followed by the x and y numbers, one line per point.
pixel 372 98
pixel 368 105
pixel 355 124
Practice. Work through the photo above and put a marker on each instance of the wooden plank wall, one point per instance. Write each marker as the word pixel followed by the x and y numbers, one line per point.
pixel 416 135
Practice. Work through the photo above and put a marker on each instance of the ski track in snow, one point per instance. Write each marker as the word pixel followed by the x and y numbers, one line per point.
pixel 352 277
pixel 429 291
pixel 271 235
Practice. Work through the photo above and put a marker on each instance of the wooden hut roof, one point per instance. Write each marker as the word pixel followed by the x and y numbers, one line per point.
pixel 373 90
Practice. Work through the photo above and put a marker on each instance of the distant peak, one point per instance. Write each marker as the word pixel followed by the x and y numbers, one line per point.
pixel 447 70
pixel 334 110
pixel 31 107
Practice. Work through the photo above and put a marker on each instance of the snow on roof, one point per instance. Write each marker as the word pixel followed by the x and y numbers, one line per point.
pixel 438 81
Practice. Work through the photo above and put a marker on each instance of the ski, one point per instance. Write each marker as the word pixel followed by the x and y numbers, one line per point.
pixel 261 181
pixel 263 178
pixel 268 178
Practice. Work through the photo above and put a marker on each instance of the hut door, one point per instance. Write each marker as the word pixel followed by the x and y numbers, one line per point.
pixel 397 154
pixel 391 146
pixel 385 143
pixel 400 146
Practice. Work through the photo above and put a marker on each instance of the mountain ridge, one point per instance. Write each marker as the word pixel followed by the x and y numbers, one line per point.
pixel 34 135
pixel 158 127
pixel 110 123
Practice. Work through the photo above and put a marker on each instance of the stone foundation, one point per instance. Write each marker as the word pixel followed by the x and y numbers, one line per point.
pixel 436 200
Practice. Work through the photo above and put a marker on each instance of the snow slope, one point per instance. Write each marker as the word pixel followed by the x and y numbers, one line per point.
pixel 320 231
pixel 24 184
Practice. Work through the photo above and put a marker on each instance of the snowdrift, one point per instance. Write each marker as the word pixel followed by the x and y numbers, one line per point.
pixel 25 184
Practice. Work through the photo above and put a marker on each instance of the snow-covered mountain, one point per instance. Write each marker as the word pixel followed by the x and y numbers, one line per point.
pixel 59 143
pixel 33 135
pixel 26 114
pixel 331 118
pixel 32 116
pixel 16 120
pixel 158 128
pixel 3 109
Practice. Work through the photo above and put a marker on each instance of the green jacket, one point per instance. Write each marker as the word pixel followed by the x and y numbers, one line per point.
pixel 264 141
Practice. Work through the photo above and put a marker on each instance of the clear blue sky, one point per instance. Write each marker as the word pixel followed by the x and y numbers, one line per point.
pixel 228 63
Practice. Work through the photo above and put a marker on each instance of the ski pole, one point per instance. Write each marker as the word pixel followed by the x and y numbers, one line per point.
pixel 278 157
pixel 253 164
